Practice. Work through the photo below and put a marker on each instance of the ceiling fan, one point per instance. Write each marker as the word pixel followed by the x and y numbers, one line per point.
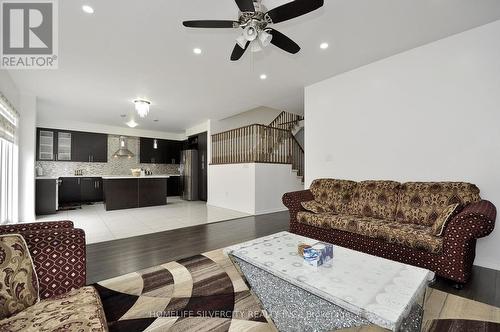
pixel 255 20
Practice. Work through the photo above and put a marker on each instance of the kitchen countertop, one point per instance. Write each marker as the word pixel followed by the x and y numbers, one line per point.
pixel 105 176
pixel 114 177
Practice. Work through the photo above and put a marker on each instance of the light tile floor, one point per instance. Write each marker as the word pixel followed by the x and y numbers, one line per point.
pixel 101 225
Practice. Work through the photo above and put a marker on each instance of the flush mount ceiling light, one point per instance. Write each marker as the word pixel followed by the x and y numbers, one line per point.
pixel 197 51
pixel 142 107
pixel 324 46
pixel 263 76
pixel 88 9
pixel 255 23
pixel 132 124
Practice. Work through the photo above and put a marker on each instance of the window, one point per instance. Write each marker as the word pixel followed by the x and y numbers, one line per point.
pixel 8 162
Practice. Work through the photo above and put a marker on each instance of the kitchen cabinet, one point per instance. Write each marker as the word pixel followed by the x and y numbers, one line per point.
pixel 70 190
pixel 61 145
pixel 46 196
pixel 173 152
pixel 174 186
pixel 45 144
pixel 90 147
pixel 80 190
pixel 166 152
pixel 91 190
pixel 121 194
pixel 147 152
pixel 53 145
pixel 152 192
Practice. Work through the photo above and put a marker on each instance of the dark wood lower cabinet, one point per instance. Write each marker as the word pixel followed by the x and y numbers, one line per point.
pixel 46 196
pixel 133 193
pixel 70 191
pixel 174 186
pixel 121 194
pixel 152 192
pixel 91 190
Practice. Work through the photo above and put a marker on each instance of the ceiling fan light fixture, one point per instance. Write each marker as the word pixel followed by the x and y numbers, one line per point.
pixel 265 38
pixel 242 41
pixel 255 47
pixel 142 107
pixel 250 33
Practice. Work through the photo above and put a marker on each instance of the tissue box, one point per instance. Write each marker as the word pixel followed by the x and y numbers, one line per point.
pixel 318 254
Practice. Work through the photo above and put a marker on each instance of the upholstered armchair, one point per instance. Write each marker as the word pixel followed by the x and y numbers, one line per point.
pixel 58 253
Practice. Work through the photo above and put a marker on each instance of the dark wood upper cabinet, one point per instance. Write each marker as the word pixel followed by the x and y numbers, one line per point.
pixel 147 152
pixel 166 151
pixel 63 145
pixel 90 147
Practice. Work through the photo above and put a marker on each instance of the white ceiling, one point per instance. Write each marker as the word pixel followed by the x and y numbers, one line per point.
pixel 130 49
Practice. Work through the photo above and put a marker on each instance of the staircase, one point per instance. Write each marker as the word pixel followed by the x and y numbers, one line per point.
pixel 273 144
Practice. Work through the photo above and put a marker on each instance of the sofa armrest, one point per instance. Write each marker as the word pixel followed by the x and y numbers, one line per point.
pixel 475 221
pixel 37 226
pixel 292 201
pixel 59 256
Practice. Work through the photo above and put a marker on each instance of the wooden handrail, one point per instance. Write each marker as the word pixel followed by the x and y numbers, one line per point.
pixel 259 143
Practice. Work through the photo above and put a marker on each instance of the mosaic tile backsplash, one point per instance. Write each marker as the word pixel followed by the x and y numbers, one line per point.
pixel 114 166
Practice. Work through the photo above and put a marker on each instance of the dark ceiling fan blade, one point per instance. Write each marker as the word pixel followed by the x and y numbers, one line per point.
pixel 294 9
pixel 238 52
pixel 283 42
pixel 210 24
pixel 245 5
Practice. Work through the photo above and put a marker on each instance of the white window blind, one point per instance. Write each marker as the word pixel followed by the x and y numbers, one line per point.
pixel 8 162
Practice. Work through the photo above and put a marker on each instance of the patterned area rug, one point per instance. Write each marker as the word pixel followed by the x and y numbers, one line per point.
pixel 200 293
pixel 206 293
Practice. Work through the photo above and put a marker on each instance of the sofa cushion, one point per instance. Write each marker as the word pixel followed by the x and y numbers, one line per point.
pixel 375 199
pixel 354 224
pixel 314 219
pixel 422 202
pixel 18 280
pixel 336 194
pixel 446 215
pixel 79 310
pixel 409 235
pixel 315 207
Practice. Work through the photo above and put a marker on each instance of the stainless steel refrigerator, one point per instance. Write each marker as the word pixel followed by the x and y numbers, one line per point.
pixel 189 175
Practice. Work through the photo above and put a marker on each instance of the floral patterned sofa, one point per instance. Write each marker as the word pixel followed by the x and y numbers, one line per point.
pixel 42 280
pixel 433 225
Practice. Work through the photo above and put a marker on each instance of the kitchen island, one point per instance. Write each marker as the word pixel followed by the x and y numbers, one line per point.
pixel 128 192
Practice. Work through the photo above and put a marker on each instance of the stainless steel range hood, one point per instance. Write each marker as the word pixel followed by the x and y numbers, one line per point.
pixel 123 151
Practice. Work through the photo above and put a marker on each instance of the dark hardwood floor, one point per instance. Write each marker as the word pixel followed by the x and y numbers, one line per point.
pixel 113 258
pixel 110 259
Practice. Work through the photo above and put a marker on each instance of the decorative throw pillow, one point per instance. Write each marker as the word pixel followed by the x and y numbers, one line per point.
pixel 18 281
pixel 315 207
pixel 449 212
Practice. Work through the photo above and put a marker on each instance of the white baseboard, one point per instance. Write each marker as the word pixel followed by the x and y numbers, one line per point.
pixel 488 263
pixel 281 209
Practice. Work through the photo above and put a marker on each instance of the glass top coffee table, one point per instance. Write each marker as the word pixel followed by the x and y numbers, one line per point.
pixel 354 289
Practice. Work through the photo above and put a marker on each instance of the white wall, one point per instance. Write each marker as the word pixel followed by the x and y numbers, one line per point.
pixel 251 188
pixel 232 187
pixel 432 113
pixel 27 152
pixel 260 115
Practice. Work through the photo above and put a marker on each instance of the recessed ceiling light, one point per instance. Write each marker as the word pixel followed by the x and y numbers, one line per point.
pixel 156 120
pixel 88 9
pixel 132 124
pixel 324 46
pixel 263 76
pixel 197 50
